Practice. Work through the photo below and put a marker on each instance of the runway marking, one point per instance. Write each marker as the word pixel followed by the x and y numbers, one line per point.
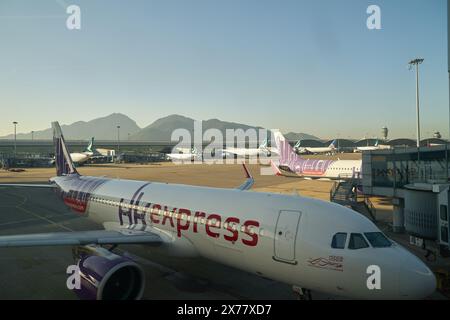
pixel 32 219
pixel 19 206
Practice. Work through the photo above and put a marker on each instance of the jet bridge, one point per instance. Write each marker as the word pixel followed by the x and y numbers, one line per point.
pixel 417 180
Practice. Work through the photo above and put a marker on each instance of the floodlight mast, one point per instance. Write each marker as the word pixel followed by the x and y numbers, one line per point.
pixel 416 63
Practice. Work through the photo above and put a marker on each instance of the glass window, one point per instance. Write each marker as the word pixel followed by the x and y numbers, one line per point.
pixel 444 234
pixel 377 239
pixel 357 241
pixel 443 212
pixel 339 240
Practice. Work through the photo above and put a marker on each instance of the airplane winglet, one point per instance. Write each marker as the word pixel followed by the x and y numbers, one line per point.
pixel 275 169
pixel 247 173
pixel 249 182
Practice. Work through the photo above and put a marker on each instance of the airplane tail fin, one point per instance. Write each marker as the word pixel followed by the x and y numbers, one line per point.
pixel 63 161
pixel 376 143
pixel 298 144
pixel 288 157
pixel 333 144
pixel 90 146
pixel 263 145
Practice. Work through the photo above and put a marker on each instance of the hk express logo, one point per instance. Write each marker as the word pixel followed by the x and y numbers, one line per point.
pixel 214 225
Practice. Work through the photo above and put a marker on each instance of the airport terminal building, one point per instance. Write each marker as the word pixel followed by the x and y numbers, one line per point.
pixel 417 179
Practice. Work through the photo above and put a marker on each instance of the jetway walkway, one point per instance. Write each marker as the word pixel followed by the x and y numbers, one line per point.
pixel 345 192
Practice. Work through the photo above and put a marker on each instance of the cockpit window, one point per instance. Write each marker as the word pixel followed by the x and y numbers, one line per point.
pixel 378 240
pixel 357 241
pixel 339 240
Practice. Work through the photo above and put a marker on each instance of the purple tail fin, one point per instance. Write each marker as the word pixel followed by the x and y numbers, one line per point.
pixel 63 161
pixel 288 157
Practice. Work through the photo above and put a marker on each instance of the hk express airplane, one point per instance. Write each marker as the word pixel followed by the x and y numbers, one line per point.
pixel 292 164
pixel 307 243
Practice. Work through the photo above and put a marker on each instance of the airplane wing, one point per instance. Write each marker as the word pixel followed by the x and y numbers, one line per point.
pixel 27 185
pixel 124 236
pixel 249 182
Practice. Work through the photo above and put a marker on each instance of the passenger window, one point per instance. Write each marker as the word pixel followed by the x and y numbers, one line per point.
pixel 339 240
pixel 357 241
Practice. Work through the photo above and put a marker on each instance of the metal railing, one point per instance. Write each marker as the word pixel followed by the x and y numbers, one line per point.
pixel 370 207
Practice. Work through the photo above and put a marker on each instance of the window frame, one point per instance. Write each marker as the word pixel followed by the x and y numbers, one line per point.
pixel 377 247
pixel 345 243
pixel 363 237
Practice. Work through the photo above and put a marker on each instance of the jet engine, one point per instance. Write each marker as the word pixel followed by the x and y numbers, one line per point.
pixel 105 275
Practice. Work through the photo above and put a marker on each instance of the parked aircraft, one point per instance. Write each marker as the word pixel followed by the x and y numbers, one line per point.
pixel 81 157
pixel 192 155
pixel 292 164
pixel 377 146
pixel 301 150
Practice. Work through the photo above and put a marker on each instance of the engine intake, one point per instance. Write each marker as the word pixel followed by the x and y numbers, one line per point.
pixel 105 275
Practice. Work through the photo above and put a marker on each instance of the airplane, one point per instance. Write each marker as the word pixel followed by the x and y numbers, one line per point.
pixel 377 146
pixel 330 149
pixel 190 156
pixel 263 149
pixel 81 157
pixel 292 164
pixel 307 243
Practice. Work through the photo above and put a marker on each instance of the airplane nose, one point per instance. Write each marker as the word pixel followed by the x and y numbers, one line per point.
pixel 417 281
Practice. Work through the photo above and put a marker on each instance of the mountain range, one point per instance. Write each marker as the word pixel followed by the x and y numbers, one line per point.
pixel 105 128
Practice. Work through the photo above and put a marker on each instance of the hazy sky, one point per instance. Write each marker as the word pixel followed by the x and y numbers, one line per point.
pixel 305 66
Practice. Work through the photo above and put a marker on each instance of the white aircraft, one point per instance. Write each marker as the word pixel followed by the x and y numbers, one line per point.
pixel 377 146
pixel 291 164
pixel 308 243
pixel 190 155
pixel 263 149
pixel 330 149
pixel 81 157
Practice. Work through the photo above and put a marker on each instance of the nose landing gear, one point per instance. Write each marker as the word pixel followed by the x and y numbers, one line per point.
pixel 302 293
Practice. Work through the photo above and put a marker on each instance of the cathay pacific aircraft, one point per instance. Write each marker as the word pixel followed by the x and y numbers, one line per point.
pixel 81 157
pixel 307 243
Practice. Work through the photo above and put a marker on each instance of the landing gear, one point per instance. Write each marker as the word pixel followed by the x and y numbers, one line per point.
pixel 301 293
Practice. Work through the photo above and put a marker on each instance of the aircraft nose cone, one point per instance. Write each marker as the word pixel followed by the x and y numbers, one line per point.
pixel 417 281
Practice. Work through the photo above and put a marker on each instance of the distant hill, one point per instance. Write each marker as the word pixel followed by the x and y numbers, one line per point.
pixel 161 129
pixel 101 128
pixel 292 136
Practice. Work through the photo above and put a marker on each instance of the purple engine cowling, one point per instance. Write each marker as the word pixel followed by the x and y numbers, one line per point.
pixel 105 275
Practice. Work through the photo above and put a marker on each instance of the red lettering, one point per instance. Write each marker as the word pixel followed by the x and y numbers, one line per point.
pixel 235 234
pixel 248 231
pixel 166 216
pixel 198 215
pixel 181 226
pixel 154 213
pixel 212 218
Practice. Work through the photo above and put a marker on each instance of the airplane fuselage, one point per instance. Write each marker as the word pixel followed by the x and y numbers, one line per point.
pixel 282 237
pixel 320 168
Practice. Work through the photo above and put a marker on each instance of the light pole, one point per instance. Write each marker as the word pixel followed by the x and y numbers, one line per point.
pixel 416 63
pixel 15 138
pixel 118 139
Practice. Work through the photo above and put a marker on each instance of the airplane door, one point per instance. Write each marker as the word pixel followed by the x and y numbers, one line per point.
pixel 286 235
